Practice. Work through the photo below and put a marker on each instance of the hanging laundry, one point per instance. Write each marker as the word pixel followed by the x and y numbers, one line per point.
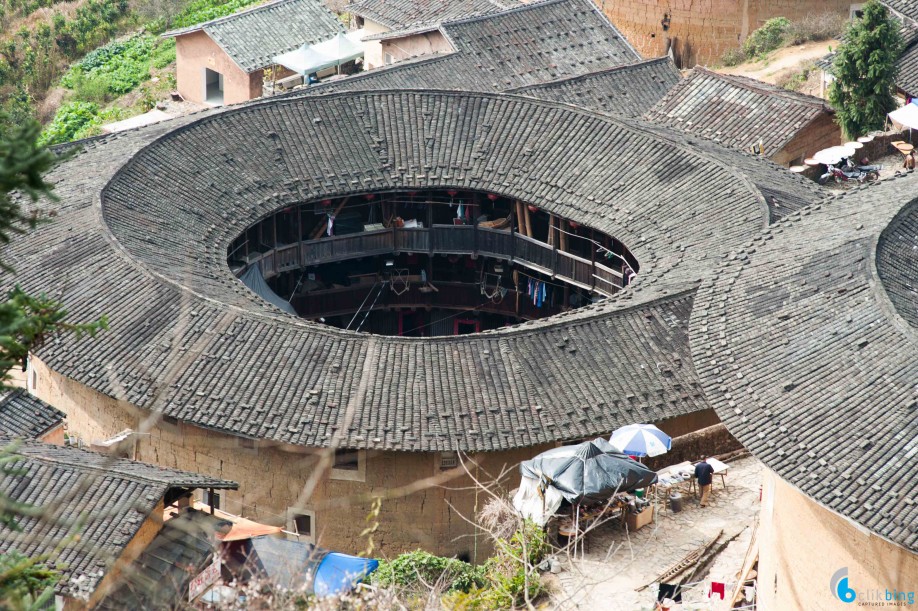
pixel 717 589
pixel 331 225
pixel 460 212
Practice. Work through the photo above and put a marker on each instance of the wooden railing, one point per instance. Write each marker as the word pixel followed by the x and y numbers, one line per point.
pixel 449 295
pixel 446 239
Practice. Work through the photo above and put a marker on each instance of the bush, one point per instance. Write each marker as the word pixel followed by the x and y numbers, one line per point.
pixel 119 67
pixel 73 121
pixel 510 576
pixel 767 38
pixel 821 26
pixel 415 569
pixel 733 57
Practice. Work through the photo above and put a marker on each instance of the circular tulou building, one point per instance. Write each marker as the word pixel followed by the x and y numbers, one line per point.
pixel 411 277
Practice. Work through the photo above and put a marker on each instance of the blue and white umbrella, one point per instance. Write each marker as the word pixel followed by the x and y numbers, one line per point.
pixel 641 440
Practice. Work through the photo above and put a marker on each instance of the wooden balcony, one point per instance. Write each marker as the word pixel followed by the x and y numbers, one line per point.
pixel 446 239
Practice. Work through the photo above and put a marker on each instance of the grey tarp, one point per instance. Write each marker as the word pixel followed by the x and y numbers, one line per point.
pixel 253 279
pixel 590 471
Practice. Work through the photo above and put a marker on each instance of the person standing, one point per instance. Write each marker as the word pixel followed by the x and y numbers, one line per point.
pixel 704 473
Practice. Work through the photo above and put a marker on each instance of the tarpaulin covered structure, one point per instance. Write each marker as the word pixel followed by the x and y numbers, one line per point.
pixel 588 472
pixel 253 279
pixel 327 54
pixel 304 567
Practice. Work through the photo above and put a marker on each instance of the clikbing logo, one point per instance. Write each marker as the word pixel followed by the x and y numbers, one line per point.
pixel 840 588
pixel 877 597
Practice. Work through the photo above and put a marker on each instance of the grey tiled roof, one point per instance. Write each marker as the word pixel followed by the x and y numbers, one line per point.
pixel 252 38
pixel 160 576
pixel 806 359
pixel 907 77
pixel 410 14
pixel 523 46
pixel 905 8
pixel 736 111
pixel 186 337
pixel 627 91
pixel 112 497
pixel 22 415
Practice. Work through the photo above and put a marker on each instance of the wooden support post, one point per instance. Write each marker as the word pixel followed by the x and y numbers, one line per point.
pixel 299 234
pixel 512 236
pixel 562 231
pixel 528 221
pixel 593 259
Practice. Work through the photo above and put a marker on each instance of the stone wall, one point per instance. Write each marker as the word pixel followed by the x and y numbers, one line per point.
pixel 196 51
pixel 802 544
pixel 700 31
pixel 710 441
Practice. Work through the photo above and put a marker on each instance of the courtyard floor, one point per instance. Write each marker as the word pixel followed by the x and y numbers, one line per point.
pixel 616 562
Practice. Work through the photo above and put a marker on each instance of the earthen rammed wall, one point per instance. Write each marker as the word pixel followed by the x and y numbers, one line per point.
pixel 802 545
pixel 196 51
pixel 700 31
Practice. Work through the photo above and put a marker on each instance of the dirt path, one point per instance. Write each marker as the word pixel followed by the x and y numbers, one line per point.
pixel 783 62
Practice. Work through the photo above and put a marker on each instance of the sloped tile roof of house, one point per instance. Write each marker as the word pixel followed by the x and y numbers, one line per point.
pixel 160 576
pixel 905 8
pixel 628 91
pixel 22 415
pixel 736 111
pixel 104 500
pixel 414 14
pixel 490 391
pixel 252 38
pixel 806 342
pixel 523 46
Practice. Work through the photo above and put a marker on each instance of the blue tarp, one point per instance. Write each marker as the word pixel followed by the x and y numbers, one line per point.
pixel 296 566
pixel 253 279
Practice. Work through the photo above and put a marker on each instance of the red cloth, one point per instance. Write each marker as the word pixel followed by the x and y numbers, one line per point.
pixel 718 588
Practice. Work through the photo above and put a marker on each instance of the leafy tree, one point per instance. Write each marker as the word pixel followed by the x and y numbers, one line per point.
pixel 865 71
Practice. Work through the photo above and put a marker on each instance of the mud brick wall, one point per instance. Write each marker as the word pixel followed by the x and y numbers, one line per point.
pixel 700 31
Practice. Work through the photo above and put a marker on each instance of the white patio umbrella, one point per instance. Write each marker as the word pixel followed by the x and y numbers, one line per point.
pixel 641 440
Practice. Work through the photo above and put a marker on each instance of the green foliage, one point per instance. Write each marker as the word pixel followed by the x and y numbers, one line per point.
pixel 23 163
pixel 767 38
pixel 164 53
pixel 865 71
pixel 200 11
pixel 25 583
pixel 118 67
pixel 72 122
pixel 415 569
pixel 733 57
pixel 510 576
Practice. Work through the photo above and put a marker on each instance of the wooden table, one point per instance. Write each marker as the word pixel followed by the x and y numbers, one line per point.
pixel 720 468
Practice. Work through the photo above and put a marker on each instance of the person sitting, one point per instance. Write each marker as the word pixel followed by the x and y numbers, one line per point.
pixel 704 473
pixel 910 161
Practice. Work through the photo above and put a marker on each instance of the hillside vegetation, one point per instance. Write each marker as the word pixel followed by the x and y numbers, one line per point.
pixel 76 65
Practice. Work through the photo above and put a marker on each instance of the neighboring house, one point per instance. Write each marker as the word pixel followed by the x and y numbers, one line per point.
pixel 222 61
pixel 749 115
pixel 160 577
pixel 527 45
pixel 22 415
pixel 121 502
pixel 626 91
pixel 399 29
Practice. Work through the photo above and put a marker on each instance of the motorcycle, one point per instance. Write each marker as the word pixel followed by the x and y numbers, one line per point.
pixel 849 172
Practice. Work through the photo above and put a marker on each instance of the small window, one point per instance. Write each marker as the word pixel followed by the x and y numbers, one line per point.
pixel 349 465
pixel 448 460
pixel 387 58
pixel 211 499
pixel 302 525
pixel 347 460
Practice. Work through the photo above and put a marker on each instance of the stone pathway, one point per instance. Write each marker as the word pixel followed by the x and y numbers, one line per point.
pixel 616 563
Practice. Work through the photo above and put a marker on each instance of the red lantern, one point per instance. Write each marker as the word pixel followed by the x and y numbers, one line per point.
pixel 574 226
pixel 412 193
pixel 453 193
pixel 326 202
pixel 369 196
pixel 532 208
pixel 492 197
